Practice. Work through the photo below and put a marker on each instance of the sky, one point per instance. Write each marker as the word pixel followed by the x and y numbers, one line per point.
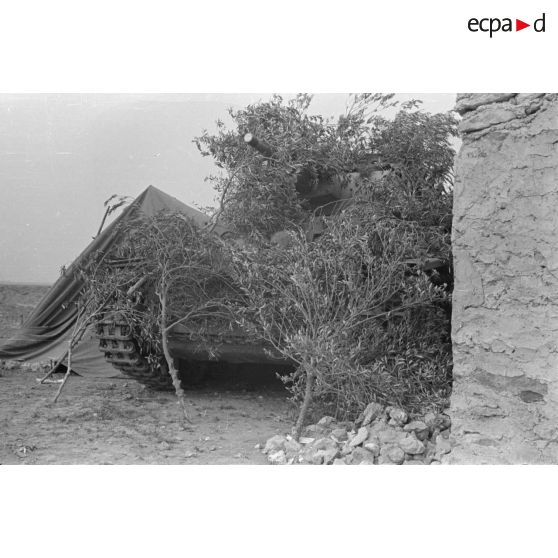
pixel 63 155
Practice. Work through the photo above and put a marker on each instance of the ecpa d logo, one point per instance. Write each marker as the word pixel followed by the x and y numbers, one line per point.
pixel 492 25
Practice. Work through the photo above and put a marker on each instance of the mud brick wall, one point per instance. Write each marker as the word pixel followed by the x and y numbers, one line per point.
pixel 504 406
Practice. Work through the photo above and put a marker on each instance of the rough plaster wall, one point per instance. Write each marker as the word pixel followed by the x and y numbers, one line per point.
pixel 504 405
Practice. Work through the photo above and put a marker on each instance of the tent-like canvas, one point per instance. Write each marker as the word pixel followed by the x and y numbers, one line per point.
pixel 46 332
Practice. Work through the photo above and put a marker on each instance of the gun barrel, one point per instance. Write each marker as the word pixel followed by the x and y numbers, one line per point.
pixel 258 145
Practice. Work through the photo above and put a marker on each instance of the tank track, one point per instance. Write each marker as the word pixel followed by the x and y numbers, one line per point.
pixel 121 349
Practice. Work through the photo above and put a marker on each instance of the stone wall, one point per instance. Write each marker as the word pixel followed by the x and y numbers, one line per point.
pixel 504 406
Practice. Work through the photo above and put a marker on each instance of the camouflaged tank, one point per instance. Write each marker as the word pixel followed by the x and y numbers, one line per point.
pixel 126 351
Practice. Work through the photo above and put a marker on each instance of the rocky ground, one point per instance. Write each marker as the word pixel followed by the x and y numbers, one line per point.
pixel 380 436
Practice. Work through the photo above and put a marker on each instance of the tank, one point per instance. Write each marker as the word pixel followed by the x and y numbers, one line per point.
pixel 124 348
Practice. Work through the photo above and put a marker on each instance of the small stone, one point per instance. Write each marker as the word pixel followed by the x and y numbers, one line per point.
pixel 292 448
pixel 391 454
pixel 366 462
pixel 340 434
pixel 277 457
pixel 346 449
pixel 396 455
pixel 338 461
pixel 330 455
pixel 360 454
pixel 429 420
pixel 258 447
pixel 437 422
pixel 305 440
pixel 315 430
pixel 324 444
pixel 399 416
pixel 443 445
pixel 388 436
pixel 317 458
pixel 164 445
pixel 420 429
pixel 409 444
pixel 373 448
pixel 371 413
pixel 360 437
pixel 275 444
pixel 326 421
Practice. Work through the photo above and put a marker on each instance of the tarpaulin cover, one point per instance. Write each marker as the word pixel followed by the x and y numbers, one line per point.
pixel 46 332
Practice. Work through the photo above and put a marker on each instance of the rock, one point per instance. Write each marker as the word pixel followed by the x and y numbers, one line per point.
pixel 330 455
pixel 315 430
pixel 388 436
pixel 340 434
pixel 372 447
pixel 326 422
pixel 437 422
pixel 323 451
pixel 277 457
pixel 305 440
pixel 292 448
pixel 346 449
pixel 393 454
pixel 317 458
pixel 366 462
pixel 339 461
pixel 275 444
pixel 360 454
pixel 430 420
pixel 396 455
pixel 371 413
pixel 443 445
pixel 360 437
pixel 324 444
pixel 398 416
pixel 419 428
pixel 409 444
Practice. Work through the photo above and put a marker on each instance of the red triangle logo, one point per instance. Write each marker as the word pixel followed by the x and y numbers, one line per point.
pixel 519 25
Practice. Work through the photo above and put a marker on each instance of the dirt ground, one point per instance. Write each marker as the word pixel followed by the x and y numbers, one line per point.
pixel 117 421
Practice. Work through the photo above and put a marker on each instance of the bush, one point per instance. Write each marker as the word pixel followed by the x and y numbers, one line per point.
pixel 347 309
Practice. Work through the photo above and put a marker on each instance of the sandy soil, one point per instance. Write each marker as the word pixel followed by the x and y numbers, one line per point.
pixel 119 422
